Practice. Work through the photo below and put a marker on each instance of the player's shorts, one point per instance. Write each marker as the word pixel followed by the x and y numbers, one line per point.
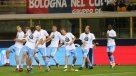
pixel 51 51
pixel 42 51
pixel 29 51
pixel 85 52
pixel 13 49
pixel 71 52
pixel 111 49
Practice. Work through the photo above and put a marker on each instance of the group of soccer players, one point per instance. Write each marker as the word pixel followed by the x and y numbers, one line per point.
pixel 35 38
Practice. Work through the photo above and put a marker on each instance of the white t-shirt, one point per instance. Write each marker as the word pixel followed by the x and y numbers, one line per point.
pixel 87 40
pixel 20 35
pixel 67 40
pixel 43 34
pixel 111 42
pixel 28 33
pixel 32 39
pixel 55 37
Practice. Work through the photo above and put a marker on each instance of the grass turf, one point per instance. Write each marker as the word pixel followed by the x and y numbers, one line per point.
pixel 97 71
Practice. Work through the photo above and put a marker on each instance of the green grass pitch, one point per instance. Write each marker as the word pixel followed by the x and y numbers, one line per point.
pixel 97 71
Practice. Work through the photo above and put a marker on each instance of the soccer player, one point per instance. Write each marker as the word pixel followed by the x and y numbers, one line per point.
pixel 55 38
pixel 16 47
pixel 68 40
pixel 42 47
pixel 24 55
pixel 111 36
pixel 87 39
pixel 29 48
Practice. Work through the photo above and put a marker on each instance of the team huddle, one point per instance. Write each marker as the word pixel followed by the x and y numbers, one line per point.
pixel 34 41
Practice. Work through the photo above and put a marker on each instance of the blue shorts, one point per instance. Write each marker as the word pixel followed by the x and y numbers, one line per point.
pixel 30 52
pixel 110 49
pixel 52 51
pixel 85 52
pixel 71 52
pixel 41 50
pixel 13 48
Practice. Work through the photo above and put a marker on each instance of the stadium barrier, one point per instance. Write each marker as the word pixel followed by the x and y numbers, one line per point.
pixel 125 53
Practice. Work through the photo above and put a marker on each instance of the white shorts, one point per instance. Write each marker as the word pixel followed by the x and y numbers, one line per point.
pixel 85 52
pixel 111 49
pixel 13 48
pixel 52 51
pixel 30 52
pixel 71 52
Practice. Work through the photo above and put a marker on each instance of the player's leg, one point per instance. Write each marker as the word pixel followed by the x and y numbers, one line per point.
pixel 53 52
pixel 29 59
pixel 67 53
pixel 47 59
pixel 110 50
pixel 8 51
pixel 36 58
pixel 85 53
pixel 90 54
pixel 17 53
pixel 24 55
pixel 74 57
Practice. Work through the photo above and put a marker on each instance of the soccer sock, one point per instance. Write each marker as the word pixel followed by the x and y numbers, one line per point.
pixel 27 66
pixel 109 55
pixel 112 59
pixel 7 60
pixel 17 66
pixel 47 62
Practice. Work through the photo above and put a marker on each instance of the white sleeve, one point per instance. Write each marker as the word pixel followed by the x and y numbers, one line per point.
pixel 72 35
pixel 45 33
pixel 93 37
pixel 50 34
pixel 81 37
pixel 61 40
pixel 114 34
pixel 59 35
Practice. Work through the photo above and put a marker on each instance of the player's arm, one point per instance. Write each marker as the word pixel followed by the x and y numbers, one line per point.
pixel 73 39
pixel 39 42
pixel 47 39
pixel 19 39
pixel 113 35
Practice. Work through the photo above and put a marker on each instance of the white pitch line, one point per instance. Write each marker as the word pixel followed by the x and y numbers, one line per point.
pixel 111 74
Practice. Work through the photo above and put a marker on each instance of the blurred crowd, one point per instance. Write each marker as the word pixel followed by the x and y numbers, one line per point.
pixel 119 6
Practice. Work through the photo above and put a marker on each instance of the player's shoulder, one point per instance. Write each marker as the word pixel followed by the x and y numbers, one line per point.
pixel 20 32
pixel 92 34
pixel 70 34
pixel 42 30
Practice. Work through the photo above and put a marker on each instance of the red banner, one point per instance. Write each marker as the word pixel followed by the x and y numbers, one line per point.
pixel 64 6
pixel 125 55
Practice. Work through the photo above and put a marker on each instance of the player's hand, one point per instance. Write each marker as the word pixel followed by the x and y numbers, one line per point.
pixel 16 39
pixel 71 43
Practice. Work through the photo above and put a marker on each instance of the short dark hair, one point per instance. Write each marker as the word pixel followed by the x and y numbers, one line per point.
pixel 38 25
pixel 27 27
pixel 63 28
pixel 89 27
pixel 54 26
